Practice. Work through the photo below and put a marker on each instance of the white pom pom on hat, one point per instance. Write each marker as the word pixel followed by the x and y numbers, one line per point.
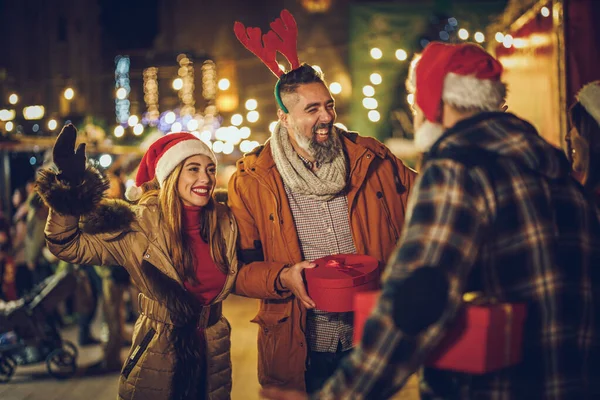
pixel 133 193
pixel 163 156
pixel 589 97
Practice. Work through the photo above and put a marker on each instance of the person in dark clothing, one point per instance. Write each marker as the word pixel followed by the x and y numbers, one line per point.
pixel 494 210
pixel 583 139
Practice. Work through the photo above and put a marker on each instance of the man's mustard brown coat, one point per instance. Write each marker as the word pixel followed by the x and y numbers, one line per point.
pixel 377 191
pixel 167 356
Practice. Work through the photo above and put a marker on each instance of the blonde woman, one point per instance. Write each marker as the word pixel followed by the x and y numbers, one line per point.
pixel 178 245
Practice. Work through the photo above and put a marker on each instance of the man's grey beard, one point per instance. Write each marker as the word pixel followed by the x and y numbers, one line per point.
pixel 323 153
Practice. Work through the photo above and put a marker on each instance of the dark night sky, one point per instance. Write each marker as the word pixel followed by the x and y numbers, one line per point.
pixel 128 24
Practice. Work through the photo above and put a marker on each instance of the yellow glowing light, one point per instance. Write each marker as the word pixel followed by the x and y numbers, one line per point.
pixel 233 135
pixel 69 93
pixel 177 83
pixel 374 116
pixel 248 145
pixel 272 126
pixel 222 134
pixel 9 126
pixel 105 160
pixel 401 54
pixel 228 148
pixel 176 127
pixel 245 146
pixel 7 115
pixel 508 41
pixel 244 132
pixel 33 112
pixel 369 91
pixel 205 136
pixel 376 53
pixel 224 84
pixel 335 87
pixel 133 120
pixel 545 12
pixel 251 104
pixel 252 116
pixel 170 117
pixel 463 34
pixel 479 37
pixel 193 124
pixel 119 131
pixel 410 99
pixel 218 146
pixel 52 124
pixel 121 93
pixel 138 129
pixel 237 119
pixel 341 126
pixel 499 37
pixel 13 98
pixel 520 43
pixel 375 78
pixel 369 103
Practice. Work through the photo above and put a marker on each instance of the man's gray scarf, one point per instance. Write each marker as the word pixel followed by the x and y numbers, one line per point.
pixel 324 184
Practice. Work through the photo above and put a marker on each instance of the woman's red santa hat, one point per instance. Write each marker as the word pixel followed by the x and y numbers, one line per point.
pixel 163 156
pixel 464 76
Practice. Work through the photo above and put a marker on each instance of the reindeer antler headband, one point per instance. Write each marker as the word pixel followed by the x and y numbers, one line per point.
pixel 281 38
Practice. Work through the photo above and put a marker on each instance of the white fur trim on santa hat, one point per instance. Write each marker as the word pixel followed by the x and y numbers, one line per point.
pixel 469 92
pixel 427 134
pixel 133 193
pixel 179 152
pixel 589 97
pixel 411 81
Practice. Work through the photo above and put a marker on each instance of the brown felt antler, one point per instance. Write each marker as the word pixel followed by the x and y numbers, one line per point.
pixel 282 38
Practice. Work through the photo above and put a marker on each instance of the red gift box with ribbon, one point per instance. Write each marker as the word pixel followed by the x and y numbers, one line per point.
pixel 335 280
pixel 483 338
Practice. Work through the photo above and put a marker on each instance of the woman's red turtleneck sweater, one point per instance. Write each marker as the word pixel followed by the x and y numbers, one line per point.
pixel 210 279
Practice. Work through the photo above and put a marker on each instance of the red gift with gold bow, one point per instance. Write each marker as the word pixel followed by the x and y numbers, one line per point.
pixel 335 280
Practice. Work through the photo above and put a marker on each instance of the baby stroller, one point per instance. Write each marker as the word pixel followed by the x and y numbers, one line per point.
pixel 30 331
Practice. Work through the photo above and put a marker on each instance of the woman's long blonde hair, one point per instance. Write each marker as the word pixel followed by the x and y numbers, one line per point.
pixel 171 216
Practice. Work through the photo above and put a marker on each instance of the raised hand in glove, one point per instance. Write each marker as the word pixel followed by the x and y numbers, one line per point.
pixel 70 162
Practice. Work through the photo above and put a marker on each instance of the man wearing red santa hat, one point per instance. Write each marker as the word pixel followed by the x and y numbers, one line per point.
pixel 495 211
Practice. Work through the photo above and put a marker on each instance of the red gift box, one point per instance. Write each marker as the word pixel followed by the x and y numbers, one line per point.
pixel 364 303
pixel 335 280
pixel 482 339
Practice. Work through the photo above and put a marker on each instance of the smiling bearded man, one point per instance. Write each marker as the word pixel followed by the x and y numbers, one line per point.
pixel 311 191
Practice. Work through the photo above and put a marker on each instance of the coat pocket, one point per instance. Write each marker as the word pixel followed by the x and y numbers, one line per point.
pixel 275 347
pixel 137 353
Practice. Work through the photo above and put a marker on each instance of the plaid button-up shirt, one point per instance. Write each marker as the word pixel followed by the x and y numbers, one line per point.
pixel 529 234
pixel 324 229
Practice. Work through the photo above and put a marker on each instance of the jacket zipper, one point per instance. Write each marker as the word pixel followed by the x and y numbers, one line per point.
pixel 137 353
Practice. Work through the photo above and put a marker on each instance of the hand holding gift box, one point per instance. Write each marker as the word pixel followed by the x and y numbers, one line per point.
pixel 484 337
pixel 335 280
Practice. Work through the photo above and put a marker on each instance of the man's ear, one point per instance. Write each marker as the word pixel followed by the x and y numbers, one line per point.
pixel 283 117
